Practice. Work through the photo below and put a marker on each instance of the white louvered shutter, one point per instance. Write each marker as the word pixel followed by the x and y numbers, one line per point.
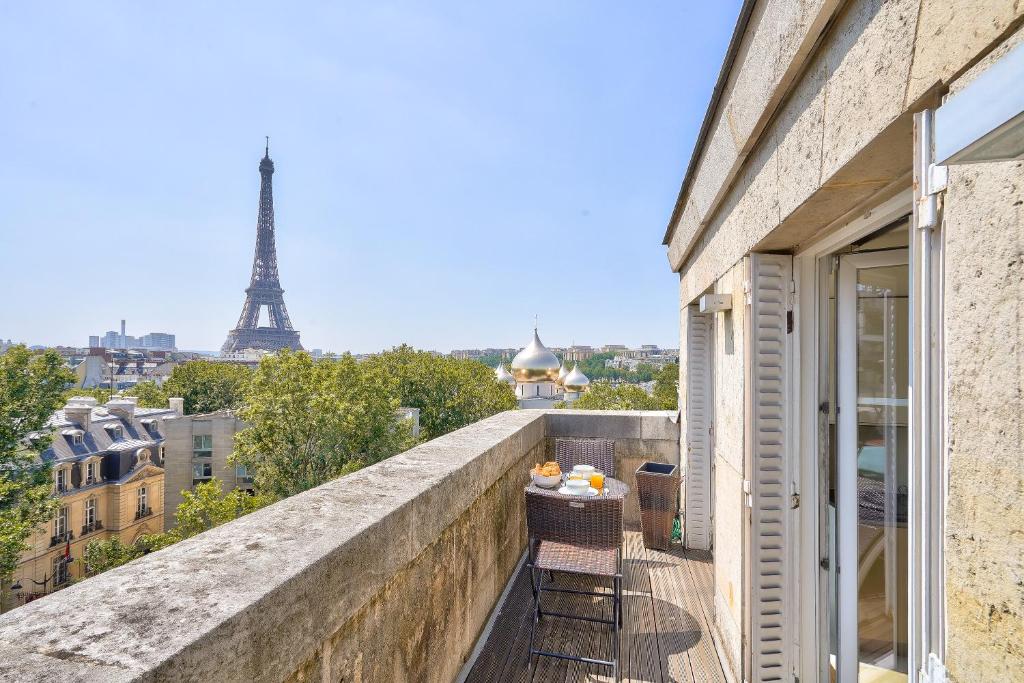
pixel 698 423
pixel 773 612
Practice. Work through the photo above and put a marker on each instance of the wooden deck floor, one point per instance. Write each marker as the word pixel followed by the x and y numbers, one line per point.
pixel 667 610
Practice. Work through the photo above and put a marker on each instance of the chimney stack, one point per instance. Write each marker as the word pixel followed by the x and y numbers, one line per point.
pixel 122 408
pixel 177 405
pixel 79 413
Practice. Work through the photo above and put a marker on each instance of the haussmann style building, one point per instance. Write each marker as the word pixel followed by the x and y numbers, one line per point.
pixel 107 464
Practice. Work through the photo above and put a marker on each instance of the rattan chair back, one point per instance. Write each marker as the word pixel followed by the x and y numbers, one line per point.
pixel 594 523
pixel 599 453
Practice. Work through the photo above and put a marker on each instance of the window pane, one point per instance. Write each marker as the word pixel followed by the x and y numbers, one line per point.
pixel 882 460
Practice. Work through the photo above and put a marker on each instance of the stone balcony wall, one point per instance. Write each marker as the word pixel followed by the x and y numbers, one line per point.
pixel 386 574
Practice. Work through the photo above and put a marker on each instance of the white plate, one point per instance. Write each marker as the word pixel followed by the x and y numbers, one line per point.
pixel 591 491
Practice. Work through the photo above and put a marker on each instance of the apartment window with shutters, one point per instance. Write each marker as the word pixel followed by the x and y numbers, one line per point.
pixel 61 475
pixel 60 570
pixel 90 473
pixel 60 524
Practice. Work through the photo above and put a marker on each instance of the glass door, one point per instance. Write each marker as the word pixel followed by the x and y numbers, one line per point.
pixel 871 466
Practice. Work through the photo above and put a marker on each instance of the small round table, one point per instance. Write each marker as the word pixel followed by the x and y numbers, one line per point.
pixel 613 488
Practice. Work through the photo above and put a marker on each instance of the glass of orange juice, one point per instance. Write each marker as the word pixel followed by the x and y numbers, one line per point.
pixel 597 480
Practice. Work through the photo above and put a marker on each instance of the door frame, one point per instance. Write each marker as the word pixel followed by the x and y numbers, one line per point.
pixel 813 628
pixel 846 476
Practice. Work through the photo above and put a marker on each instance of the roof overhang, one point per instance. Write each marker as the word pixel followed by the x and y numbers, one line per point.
pixel 709 116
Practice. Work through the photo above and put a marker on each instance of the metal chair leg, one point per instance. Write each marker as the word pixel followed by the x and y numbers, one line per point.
pixel 616 624
pixel 537 596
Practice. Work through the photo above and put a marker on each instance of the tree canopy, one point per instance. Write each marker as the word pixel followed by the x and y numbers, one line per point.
pixel 203 508
pixel 150 395
pixel 594 368
pixel 449 392
pixel 603 396
pixel 100 394
pixel 309 422
pixel 207 386
pixel 31 387
pixel 666 387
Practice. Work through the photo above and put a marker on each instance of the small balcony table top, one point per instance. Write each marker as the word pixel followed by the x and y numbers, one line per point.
pixel 613 488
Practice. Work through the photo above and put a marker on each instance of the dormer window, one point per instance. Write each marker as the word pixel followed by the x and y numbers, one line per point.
pixel 61 479
pixel 115 431
pixel 77 436
pixel 152 426
pixel 92 472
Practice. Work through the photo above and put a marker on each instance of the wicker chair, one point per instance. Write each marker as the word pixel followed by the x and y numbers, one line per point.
pixel 597 452
pixel 577 535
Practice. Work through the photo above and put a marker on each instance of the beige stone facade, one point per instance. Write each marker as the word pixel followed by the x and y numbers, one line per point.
pixel 196 449
pixel 107 474
pixel 805 170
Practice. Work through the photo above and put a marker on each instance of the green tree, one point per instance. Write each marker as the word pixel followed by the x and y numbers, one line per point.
pixel 149 394
pixel 310 422
pixel 203 508
pixel 450 393
pixel 207 506
pixel 603 396
pixel 207 386
pixel 101 395
pixel 31 388
pixel 99 556
pixel 491 360
pixel 666 387
pixel 594 368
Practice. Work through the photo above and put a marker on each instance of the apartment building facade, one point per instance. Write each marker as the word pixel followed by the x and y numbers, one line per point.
pixel 196 449
pixel 106 463
pixel 848 241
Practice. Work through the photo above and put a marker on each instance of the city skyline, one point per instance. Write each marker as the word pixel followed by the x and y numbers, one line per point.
pixel 419 148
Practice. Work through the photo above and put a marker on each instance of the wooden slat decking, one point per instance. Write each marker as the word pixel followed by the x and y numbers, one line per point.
pixel 667 611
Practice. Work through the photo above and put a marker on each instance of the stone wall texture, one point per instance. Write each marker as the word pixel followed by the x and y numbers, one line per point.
pixel 984 338
pixel 838 137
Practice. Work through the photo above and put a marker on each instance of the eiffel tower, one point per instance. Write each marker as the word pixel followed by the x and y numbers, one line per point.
pixel 265 285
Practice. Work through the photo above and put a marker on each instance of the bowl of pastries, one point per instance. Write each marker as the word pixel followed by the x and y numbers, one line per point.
pixel 548 475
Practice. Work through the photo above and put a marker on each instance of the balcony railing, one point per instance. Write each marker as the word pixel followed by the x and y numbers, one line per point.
pixel 413 552
pixel 92 527
pixel 143 512
pixel 65 537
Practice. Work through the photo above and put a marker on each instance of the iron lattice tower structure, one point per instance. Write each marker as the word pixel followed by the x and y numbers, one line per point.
pixel 265 285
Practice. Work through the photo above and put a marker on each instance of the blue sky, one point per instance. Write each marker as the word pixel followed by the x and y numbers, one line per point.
pixel 444 170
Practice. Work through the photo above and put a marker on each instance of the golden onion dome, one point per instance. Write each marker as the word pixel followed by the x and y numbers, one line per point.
pixel 535 363
pixel 576 380
pixel 503 375
pixel 562 372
